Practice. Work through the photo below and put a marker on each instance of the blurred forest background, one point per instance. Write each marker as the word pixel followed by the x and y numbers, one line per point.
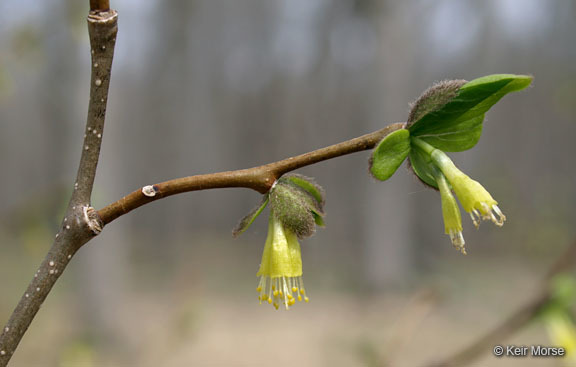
pixel 207 85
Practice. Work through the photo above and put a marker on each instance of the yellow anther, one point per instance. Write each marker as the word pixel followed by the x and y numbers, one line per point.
pixel 306 299
pixel 273 287
pixel 294 289
pixel 275 293
pixel 291 302
pixel 299 298
pixel 290 296
pixel 276 305
pixel 269 300
pixel 281 294
pixel 259 289
pixel 302 291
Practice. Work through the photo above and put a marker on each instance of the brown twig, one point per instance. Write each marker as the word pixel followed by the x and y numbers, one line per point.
pixel 80 222
pixel 522 317
pixel 99 5
pixel 258 178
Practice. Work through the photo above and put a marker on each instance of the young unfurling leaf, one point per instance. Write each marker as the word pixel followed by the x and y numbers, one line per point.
pixel 457 124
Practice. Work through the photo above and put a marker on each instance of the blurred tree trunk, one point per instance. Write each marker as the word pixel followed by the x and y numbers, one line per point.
pixel 389 248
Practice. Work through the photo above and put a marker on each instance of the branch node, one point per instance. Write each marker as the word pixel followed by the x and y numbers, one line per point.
pixel 273 184
pixel 149 191
pixel 92 219
pixel 102 16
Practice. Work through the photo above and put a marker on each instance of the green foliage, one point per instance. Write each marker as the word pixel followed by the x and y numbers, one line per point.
pixel 457 124
pixel 421 164
pixel 307 184
pixel 250 217
pixel 448 116
pixel 434 98
pixel 389 154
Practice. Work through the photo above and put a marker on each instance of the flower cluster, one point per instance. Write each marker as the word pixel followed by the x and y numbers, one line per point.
pixel 472 195
pixel 447 117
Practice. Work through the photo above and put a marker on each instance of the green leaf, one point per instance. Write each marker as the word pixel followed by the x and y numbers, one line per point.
pixel 389 154
pixel 423 167
pixel 464 136
pixel 458 124
pixel 249 219
pixel 318 219
pixel 307 184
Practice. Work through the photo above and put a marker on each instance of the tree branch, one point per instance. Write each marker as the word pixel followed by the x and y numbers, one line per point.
pixel 102 28
pixel 99 5
pixel 259 178
pixel 522 317
pixel 80 222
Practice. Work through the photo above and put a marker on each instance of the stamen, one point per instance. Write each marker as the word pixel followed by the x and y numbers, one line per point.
pixel 475 218
pixel 458 241
pixel 285 291
pixel 493 218
pixel 261 289
pixel 270 291
pixel 281 291
pixel 493 214
pixel 501 217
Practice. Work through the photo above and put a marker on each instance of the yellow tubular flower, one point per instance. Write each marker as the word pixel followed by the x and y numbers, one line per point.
pixel 296 208
pixel 451 214
pixel 281 267
pixel 474 198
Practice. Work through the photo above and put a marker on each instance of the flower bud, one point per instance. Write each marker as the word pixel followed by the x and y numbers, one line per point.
pixel 292 207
